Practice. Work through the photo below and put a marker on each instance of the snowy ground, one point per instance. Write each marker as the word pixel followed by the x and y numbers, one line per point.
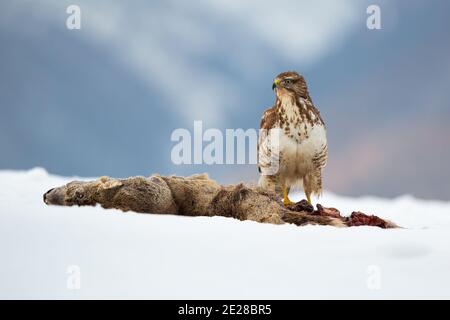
pixel 126 255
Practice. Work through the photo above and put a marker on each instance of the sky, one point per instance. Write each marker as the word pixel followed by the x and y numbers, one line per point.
pixel 105 99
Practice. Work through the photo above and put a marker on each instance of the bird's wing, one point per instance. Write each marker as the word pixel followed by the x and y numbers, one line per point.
pixel 268 122
pixel 321 150
pixel 321 156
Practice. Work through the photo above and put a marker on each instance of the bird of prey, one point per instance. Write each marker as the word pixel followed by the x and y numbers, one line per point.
pixel 301 144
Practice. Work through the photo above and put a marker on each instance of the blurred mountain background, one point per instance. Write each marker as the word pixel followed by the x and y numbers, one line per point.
pixel 105 99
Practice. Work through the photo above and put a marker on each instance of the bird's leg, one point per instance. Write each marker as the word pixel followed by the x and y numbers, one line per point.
pixel 308 197
pixel 286 199
pixel 307 182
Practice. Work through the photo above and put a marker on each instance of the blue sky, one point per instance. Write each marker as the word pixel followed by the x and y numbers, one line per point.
pixel 104 100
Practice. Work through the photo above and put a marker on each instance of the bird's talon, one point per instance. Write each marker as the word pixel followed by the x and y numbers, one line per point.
pixel 288 202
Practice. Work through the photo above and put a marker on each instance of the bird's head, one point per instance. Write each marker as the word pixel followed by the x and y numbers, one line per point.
pixel 290 83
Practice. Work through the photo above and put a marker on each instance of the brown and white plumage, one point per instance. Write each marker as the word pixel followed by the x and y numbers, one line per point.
pixel 301 144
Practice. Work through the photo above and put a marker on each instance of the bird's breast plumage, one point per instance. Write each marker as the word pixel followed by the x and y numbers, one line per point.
pixel 302 138
pixel 299 120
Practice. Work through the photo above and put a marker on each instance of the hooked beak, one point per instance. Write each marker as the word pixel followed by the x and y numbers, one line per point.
pixel 275 83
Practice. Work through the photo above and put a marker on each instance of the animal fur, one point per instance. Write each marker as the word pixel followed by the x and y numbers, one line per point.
pixel 196 195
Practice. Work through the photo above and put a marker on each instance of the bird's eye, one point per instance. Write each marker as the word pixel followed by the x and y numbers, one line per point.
pixel 288 81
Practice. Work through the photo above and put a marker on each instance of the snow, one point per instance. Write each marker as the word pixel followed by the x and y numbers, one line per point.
pixel 128 255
